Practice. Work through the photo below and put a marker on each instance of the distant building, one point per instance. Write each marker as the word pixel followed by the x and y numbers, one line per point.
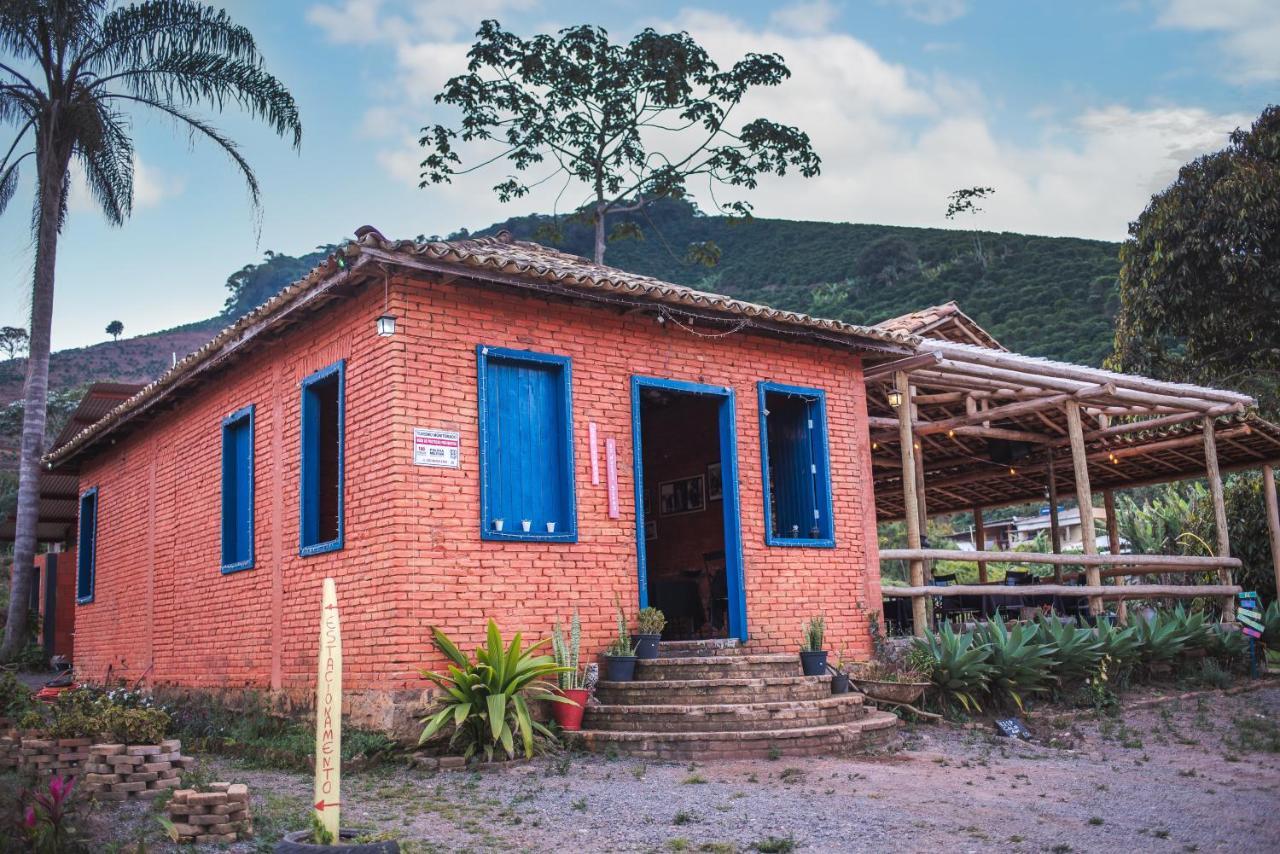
pixel 1010 533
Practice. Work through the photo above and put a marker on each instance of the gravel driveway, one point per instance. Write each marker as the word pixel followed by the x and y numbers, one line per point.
pixel 1199 773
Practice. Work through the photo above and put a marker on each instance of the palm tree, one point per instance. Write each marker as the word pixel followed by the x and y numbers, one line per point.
pixel 68 71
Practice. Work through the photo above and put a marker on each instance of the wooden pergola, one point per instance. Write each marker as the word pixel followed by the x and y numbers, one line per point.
pixel 966 425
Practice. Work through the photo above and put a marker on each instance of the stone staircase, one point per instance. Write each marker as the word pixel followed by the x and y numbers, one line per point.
pixel 717 700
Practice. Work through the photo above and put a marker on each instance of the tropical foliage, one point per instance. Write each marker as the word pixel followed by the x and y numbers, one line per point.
pixel 486 700
pixel 565 649
pixel 961 667
pixel 71 70
pixel 1020 664
pixel 1075 649
pixel 1199 273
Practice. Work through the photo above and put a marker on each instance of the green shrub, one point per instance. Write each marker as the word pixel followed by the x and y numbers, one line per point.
pixel 1076 649
pixel 486 700
pixel 125 717
pixel 1161 639
pixel 959 667
pixel 1120 646
pixel 1192 625
pixel 15 698
pixel 1271 625
pixel 651 621
pixel 1227 645
pixel 1020 664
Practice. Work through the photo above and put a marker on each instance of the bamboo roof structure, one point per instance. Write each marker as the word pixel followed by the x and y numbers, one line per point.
pixel 989 424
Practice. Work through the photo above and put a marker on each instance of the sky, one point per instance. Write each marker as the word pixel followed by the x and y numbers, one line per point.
pixel 1076 112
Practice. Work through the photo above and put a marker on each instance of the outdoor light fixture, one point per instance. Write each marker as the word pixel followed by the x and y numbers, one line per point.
pixel 386 325
pixel 895 398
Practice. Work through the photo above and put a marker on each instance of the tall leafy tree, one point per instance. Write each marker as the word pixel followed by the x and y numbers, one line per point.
pixel 629 122
pixel 115 328
pixel 69 71
pixel 1200 272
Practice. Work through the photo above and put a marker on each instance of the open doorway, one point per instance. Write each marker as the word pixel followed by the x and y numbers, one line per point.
pixel 688 538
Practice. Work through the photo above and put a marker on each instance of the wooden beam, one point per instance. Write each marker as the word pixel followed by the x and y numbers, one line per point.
pixel 1084 498
pixel 1154 423
pixel 980 536
pixel 887 369
pixel 1113 546
pixel 1082 374
pixel 1273 519
pixel 909 499
pixel 1055 532
pixel 1219 510
pixel 1094 591
pixel 1009 410
pixel 1195 561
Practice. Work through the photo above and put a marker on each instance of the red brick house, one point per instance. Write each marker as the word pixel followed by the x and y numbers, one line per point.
pixel 537 435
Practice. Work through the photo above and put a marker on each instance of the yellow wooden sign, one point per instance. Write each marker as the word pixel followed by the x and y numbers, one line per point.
pixel 328 789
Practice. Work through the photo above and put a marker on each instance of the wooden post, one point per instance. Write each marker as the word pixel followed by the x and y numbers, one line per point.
pixel 1113 544
pixel 910 503
pixel 1219 511
pixel 921 499
pixel 1273 520
pixel 1055 532
pixel 1084 498
pixel 980 537
pixel 328 776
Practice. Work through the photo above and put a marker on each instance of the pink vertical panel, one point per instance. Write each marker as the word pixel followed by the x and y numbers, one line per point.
pixel 595 453
pixel 611 462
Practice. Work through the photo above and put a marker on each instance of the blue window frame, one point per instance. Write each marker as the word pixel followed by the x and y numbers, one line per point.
pixel 87 545
pixel 526 446
pixel 237 490
pixel 323 465
pixel 796 466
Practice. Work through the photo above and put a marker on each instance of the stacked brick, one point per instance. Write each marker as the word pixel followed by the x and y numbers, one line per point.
pixel 218 815
pixel 116 772
pixel 10 743
pixel 64 757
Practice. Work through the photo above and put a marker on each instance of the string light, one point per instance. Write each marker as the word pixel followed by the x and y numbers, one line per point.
pixel 951 434
pixel 1012 470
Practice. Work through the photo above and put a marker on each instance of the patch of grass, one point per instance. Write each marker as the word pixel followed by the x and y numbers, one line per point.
pixel 1255 735
pixel 718 848
pixel 637 771
pixel 580 805
pixel 775 845
pixel 791 775
pixel 679 844
pixel 694 780
pixel 1096 821
pixel 1160 834
pixel 684 817
pixel 774 754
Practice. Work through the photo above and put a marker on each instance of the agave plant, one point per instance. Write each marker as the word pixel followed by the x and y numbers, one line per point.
pixel 1119 645
pixel 1160 639
pixel 1271 625
pixel 960 668
pixel 487 700
pixel 1227 645
pixel 1020 664
pixel 1076 648
pixel 1193 625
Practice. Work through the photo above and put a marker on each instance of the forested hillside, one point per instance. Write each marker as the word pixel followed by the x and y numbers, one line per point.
pixel 1049 296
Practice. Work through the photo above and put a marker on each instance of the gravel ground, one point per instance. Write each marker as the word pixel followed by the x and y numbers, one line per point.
pixel 1170 773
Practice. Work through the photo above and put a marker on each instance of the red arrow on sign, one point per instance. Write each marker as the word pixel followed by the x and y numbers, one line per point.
pixel 322 806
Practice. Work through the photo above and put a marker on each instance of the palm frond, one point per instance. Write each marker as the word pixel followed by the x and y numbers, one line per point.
pixel 105 150
pixel 133 35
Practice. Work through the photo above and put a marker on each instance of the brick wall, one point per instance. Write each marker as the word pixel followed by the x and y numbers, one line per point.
pixel 413 555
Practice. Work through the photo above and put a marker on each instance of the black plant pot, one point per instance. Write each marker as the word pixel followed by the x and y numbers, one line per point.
pixel 619 668
pixel 814 662
pixel 297 843
pixel 646 646
pixel 840 683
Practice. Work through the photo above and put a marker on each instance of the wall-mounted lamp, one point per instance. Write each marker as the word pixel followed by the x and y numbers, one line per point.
pixel 895 398
pixel 386 325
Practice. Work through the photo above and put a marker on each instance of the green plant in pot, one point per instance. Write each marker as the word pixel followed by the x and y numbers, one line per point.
pixel 651 622
pixel 840 677
pixel 813 658
pixel 620 656
pixel 572 677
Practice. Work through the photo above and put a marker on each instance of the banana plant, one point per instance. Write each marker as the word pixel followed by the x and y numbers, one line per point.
pixel 1020 664
pixel 1076 648
pixel 961 670
pixel 487 700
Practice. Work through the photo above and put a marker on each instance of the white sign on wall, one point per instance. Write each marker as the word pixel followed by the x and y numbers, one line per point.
pixel 437 448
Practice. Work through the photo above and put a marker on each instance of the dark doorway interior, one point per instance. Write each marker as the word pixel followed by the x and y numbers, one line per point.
pixel 684 512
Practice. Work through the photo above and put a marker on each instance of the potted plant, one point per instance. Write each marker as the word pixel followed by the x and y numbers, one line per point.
pixel 813 658
pixel 651 623
pixel 318 839
pixel 620 656
pixel 839 677
pixel 571 677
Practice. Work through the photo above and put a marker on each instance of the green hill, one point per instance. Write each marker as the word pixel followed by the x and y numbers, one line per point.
pixel 1048 296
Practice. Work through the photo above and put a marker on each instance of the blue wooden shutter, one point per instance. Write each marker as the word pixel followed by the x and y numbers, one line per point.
pixel 321 521
pixel 527 455
pixel 237 490
pixel 87 546
pixel 797 466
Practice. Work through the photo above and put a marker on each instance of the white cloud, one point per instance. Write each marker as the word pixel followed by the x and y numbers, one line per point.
pixel 931 11
pixel 808 16
pixel 370 21
pixel 150 187
pixel 1248 30
pixel 894 141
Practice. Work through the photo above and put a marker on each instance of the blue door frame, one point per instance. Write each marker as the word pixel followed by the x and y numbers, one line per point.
pixel 729 486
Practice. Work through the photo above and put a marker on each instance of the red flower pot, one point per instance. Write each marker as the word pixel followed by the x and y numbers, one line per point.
pixel 569 715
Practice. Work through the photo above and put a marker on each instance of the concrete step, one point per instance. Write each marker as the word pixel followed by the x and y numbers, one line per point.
pixel 683 668
pixel 701 692
pixel 700 648
pixel 730 717
pixel 875 731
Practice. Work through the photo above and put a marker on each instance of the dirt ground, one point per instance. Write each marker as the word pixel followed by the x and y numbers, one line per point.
pixel 1169 773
